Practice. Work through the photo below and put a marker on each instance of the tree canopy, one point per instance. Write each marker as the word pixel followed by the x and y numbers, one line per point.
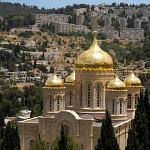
pixel 64 142
pixel 139 133
pixel 107 140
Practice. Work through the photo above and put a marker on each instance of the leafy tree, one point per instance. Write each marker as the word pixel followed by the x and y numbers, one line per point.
pixel 1 117
pixel 17 49
pixel 132 142
pixel 146 48
pixel 41 67
pixel 107 140
pixel 10 138
pixel 102 36
pixel 64 142
pixel 26 34
pixel 140 125
pixel 34 64
pixel 51 69
pixel 39 145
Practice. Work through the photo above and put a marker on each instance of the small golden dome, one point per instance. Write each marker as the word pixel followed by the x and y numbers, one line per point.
pixel 71 78
pixel 116 84
pixel 94 58
pixel 132 80
pixel 54 81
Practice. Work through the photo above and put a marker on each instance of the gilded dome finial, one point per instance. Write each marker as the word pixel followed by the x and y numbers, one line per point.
pixel 94 58
pixel 95 34
pixel 95 38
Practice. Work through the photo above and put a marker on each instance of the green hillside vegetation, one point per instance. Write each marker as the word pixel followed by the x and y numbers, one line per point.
pixel 12 100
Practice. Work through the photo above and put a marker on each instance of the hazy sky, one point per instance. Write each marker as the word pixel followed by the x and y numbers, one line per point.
pixel 62 3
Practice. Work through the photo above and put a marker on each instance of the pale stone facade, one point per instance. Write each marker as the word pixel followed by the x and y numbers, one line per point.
pixel 80 103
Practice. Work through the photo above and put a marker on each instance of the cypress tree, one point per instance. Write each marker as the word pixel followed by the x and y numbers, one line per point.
pixel 132 142
pixel 63 139
pixel 39 145
pixel 1 138
pixel 64 142
pixel 140 125
pixel 147 110
pixel 15 137
pixel 2 122
pixel 7 139
pixel 107 140
pixel 10 138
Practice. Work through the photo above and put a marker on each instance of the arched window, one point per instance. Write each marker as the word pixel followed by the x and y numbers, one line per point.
pixel 136 99
pixel 70 98
pixel 98 95
pixel 64 101
pixel 48 145
pixel 89 95
pixel 120 106
pixel 129 101
pixel 58 103
pixel 81 94
pixel 50 103
pixel 113 106
pixel 82 147
pixel 31 143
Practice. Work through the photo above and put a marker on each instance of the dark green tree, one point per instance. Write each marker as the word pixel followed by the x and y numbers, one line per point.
pixel 64 142
pixel 34 64
pixel 133 141
pixel 107 140
pixel 39 145
pixel 15 137
pixel 140 125
pixel 10 138
pixel 63 139
pixel 17 49
pixel 1 117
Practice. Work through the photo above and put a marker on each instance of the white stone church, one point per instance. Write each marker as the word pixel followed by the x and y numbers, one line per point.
pixel 80 103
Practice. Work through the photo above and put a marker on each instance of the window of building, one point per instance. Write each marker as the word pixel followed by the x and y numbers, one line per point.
pixel 48 145
pixel 129 101
pixel 81 94
pixel 31 143
pixel 98 95
pixel 113 106
pixel 70 98
pixel 82 147
pixel 136 100
pixel 88 95
pixel 58 103
pixel 50 103
pixel 120 106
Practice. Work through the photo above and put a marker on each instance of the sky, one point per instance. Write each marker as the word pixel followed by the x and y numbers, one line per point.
pixel 63 3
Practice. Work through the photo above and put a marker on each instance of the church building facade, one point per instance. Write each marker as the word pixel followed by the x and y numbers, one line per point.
pixel 80 103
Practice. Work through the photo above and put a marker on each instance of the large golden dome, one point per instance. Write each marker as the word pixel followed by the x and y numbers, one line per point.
pixel 71 78
pixel 132 80
pixel 94 58
pixel 116 84
pixel 54 81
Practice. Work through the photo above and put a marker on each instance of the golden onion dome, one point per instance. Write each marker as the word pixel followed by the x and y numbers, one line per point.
pixel 54 81
pixel 71 78
pixel 132 80
pixel 116 84
pixel 94 58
